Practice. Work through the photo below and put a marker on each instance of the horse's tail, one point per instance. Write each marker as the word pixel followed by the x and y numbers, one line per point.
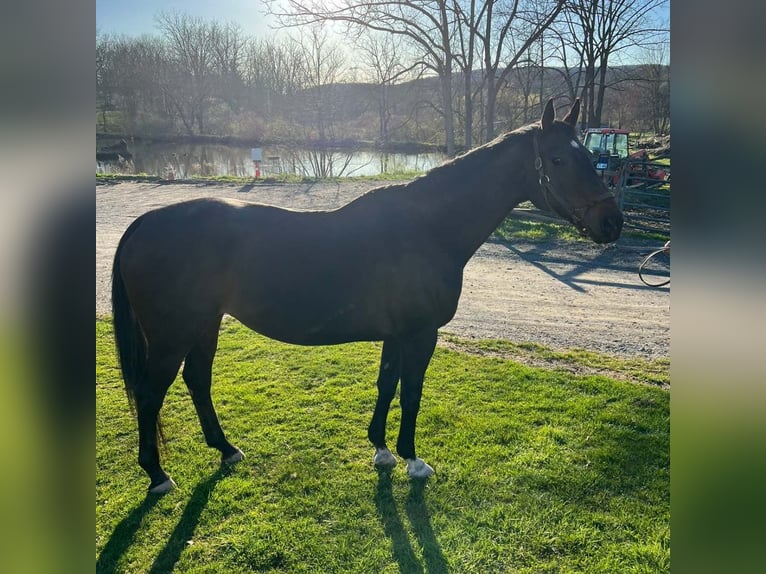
pixel 129 337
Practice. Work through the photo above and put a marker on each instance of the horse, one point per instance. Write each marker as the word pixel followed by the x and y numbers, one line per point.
pixel 387 266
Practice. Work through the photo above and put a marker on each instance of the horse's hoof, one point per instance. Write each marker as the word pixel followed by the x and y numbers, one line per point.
pixel 417 468
pixel 163 487
pixel 384 458
pixel 233 458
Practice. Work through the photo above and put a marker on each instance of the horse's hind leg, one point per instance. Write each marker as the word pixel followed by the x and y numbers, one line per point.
pixel 388 378
pixel 197 374
pixel 161 371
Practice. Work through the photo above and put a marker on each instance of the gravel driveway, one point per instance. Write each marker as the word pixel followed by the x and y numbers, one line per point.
pixel 562 295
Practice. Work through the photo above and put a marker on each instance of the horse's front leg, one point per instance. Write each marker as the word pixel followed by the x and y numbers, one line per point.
pixel 388 378
pixel 416 354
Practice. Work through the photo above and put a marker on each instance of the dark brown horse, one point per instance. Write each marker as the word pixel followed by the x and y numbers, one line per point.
pixel 386 267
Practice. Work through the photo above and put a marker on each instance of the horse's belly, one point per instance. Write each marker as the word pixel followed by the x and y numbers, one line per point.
pixel 309 327
pixel 316 319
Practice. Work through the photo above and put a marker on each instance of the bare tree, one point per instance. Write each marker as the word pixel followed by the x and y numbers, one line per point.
pixel 228 44
pixel 478 64
pixel 569 56
pixel 385 65
pixel 190 80
pixel 510 28
pixel 106 77
pixel 322 66
pixel 425 24
pixel 596 32
pixel 126 78
pixel 273 74
pixel 470 13
pixel 527 75
pixel 656 87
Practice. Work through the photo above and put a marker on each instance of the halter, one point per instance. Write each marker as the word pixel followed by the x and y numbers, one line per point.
pixel 577 214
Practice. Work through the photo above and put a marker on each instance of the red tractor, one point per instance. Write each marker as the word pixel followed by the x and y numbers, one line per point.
pixel 611 149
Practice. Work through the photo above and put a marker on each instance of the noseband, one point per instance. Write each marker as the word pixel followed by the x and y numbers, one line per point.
pixel 576 214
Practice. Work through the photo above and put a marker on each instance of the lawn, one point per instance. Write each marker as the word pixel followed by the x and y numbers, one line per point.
pixel 537 470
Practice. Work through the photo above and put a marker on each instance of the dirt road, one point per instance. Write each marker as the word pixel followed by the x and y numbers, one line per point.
pixel 562 295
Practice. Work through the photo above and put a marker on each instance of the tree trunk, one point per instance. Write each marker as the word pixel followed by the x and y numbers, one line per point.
pixel 446 45
pixel 383 113
pixel 489 114
pixel 200 123
pixel 590 80
pixel 449 120
pixel 600 94
pixel 468 138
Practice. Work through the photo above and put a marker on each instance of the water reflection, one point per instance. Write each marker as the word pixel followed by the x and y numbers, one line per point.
pixel 181 161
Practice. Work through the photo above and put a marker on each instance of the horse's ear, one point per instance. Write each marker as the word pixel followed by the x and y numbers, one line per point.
pixel 548 114
pixel 571 117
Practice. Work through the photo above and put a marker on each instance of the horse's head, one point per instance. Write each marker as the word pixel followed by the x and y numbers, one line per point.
pixel 566 181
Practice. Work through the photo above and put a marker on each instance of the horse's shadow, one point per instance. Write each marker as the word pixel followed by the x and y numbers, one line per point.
pixel 419 517
pixel 415 509
pixel 574 267
pixel 124 534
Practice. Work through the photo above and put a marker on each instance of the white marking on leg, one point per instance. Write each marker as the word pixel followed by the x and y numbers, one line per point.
pixel 417 468
pixel 575 144
pixel 384 457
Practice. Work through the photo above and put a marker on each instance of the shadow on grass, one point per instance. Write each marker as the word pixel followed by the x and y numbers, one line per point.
pixel 184 530
pixel 125 532
pixel 123 536
pixel 420 520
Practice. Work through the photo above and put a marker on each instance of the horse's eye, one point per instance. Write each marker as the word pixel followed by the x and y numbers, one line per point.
pixel 556 161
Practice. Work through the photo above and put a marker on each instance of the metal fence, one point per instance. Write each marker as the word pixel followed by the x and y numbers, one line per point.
pixel 643 193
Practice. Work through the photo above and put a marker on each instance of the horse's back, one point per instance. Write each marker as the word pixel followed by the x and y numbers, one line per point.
pixel 364 271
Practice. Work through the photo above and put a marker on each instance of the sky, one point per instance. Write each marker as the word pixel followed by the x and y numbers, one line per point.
pixel 136 17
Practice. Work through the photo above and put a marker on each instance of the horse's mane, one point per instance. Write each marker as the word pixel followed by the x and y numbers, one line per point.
pixel 504 140
pixel 448 168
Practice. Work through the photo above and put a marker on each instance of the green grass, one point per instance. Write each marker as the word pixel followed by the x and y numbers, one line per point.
pixel 637 370
pixel 522 229
pixel 646 235
pixel 538 470
pixel 515 228
pixel 390 176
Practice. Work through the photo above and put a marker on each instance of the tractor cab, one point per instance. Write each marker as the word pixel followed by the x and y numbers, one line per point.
pixel 608 146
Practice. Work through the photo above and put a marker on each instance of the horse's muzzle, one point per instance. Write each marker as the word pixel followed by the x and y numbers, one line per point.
pixel 609 229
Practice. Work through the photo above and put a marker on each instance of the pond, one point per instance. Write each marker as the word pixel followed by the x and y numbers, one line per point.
pixel 181 161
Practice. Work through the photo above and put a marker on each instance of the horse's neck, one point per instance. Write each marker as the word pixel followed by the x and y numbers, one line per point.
pixel 471 196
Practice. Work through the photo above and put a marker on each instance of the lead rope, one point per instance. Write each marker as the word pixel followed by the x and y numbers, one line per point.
pixel 652 255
